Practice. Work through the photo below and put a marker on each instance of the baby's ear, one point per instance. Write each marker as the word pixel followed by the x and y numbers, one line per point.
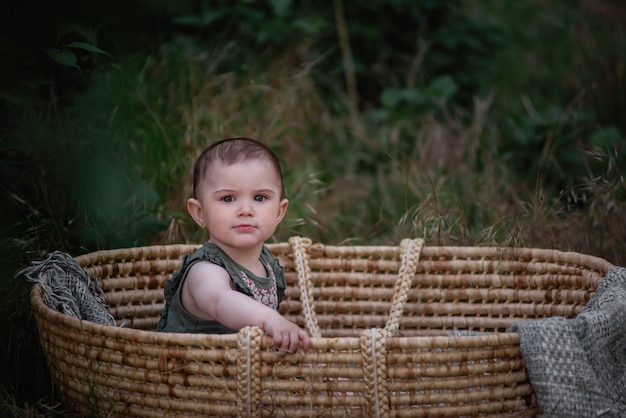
pixel 282 209
pixel 195 210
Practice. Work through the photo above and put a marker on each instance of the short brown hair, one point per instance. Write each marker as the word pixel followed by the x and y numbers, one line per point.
pixel 232 151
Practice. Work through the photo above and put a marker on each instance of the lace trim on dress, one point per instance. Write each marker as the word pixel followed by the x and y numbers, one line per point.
pixel 268 297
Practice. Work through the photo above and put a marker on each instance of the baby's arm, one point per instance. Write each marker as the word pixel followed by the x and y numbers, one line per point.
pixel 207 294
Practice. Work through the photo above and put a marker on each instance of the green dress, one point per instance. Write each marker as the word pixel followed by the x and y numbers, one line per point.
pixel 267 290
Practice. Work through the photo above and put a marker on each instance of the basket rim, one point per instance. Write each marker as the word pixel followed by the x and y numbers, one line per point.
pixel 536 253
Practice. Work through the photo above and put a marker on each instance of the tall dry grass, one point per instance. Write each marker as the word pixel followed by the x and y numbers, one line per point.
pixel 357 184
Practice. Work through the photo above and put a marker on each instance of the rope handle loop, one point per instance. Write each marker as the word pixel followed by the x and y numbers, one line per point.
pixel 373 344
pixel 249 340
pixel 410 254
pixel 299 247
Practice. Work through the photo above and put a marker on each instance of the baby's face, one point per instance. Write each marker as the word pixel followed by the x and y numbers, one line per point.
pixel 241 203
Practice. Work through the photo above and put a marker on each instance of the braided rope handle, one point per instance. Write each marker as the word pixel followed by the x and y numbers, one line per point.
pixel 374 353
pixel 410 254
pixel 299 246
pixel 249 372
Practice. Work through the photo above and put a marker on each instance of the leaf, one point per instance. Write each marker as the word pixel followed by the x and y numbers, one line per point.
pixel 64 57
pixel 606 137
pixel 199 21
pixel 442 87
pixel 88 47
pixel 393 97
pixel 280 7
pixel 390 97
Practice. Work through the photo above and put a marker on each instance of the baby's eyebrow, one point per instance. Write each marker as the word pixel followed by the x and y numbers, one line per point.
pixel 264 190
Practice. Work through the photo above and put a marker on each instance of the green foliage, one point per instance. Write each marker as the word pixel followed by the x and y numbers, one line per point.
pixel 251 24
pixel 411 102
pixel 76 190
pixel 546 145
pixel 558 81
pixel 439 43
pixel 66 55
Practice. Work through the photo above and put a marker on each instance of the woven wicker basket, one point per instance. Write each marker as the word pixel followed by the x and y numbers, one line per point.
pixel 400 331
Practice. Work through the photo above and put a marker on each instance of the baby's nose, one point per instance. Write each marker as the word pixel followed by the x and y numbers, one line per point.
pixel 245 208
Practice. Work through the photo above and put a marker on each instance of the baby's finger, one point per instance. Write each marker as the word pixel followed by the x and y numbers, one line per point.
pixel 294 340
pixel 278 341
pixel 287 345
pixel 305 338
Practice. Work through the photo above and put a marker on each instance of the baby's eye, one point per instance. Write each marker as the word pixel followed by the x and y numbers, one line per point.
pixel 227 199
pixel 260 198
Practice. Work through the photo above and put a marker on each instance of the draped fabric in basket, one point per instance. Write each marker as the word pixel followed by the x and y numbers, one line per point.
pixel 577 366
pixel 68 289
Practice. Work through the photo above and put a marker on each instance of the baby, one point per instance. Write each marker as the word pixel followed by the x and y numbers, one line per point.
pixel 233 281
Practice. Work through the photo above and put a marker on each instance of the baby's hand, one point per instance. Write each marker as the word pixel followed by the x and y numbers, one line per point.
pixel 287 335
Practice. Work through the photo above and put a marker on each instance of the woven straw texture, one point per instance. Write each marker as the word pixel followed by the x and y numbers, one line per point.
pixel 398 331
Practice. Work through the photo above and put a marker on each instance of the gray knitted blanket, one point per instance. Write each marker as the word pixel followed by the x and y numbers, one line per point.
pixel 577 367
pixel 67 288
